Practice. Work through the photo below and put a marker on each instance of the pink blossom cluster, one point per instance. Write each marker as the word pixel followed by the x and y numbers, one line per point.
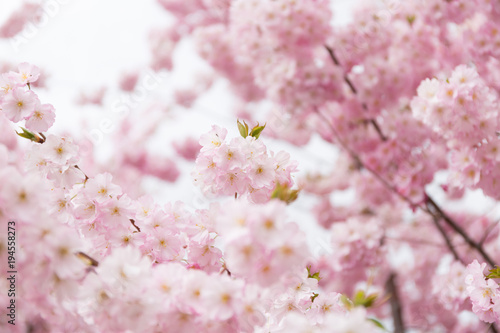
pixel 188 149
pixel 27 13
pixel 460 108
pixel 451 288
pixel 18 103
pixel 255 245
pixel 241 166
pixel 364 87
pixel 167 297
pixel 147 163
pixel 356 321
pixel 157 266
pixel 463 110
pixel 483 293
pixel 403 91
pixel 268 49
pixel 356 242
pixel 292 26
pixel 57 160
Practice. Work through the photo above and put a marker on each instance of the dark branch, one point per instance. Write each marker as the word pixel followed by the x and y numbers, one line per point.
pixel 432 206
pixel 377 128
pixel 397 315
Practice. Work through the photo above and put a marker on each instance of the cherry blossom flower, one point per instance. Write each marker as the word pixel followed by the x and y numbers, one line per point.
pixel 19 104
pixel 42 118
pixel 28 73
pixel 101 188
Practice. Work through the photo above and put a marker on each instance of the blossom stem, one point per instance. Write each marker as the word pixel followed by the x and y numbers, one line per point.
pixel 135 226
pixel 86 177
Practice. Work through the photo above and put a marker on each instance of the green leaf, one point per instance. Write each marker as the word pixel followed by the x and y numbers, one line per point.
pixel 361 299
pixel 347 302
pixel 494 273
pixel 30 136
pixel 377 323
pixel 243 128
pixel 26 134
pixel 313 297
pixel 370 299
pixel 257 130
pixel 314 275
pixel 411 19
pixel 284 193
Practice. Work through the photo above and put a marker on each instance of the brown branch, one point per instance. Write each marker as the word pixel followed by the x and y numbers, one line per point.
pixel 355 92
pixel 397 315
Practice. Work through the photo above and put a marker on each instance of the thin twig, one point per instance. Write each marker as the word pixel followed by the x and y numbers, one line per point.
pixel 432 205
pixel 360 163
pixel 447 239
pixel 487 232
pixel 355 92
pixel 414 241
pixel 377 128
